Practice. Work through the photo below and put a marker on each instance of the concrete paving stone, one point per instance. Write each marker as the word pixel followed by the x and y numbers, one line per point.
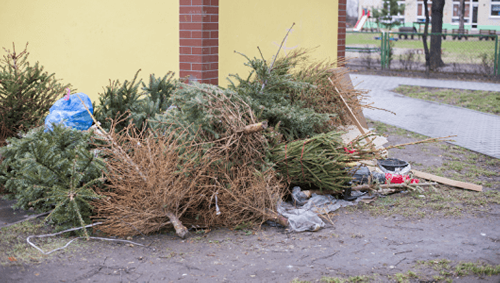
pixel 475 130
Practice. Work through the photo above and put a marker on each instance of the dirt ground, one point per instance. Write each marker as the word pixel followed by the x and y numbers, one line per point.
pixel 420 236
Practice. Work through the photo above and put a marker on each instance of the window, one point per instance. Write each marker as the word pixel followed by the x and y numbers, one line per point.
pixel 456 15
pixel 421 10
pixel 495 8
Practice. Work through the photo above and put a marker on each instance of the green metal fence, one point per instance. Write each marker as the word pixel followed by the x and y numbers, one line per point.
pixel 469 53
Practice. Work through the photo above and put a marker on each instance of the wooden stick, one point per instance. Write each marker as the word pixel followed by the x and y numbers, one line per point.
pixel 446 181
pixel 275 217
pixel 385 186
pixel 429 140
pixel 254 128
pixel 370 187
pixel 276 56
pixel 356 122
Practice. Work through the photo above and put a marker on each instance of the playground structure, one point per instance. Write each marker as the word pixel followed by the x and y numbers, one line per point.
pixel 362 20
pixel 366 22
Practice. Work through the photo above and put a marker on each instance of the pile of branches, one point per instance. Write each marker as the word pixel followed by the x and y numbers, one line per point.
pixel 321 161
pixel 180 174
pixel 220 157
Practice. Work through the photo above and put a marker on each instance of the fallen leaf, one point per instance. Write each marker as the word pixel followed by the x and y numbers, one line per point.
pixel 12 258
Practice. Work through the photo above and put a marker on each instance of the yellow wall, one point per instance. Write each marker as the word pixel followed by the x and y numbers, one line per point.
pixel 86 43
pixel 245 24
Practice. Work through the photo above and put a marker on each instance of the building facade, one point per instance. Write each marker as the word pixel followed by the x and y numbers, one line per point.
pixel 479 14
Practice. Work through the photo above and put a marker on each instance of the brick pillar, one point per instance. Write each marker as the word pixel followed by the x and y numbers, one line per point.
pixel 341 29
pixel 199 40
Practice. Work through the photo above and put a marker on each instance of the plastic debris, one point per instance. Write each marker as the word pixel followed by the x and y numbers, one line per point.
pixel 70 111
pixel 306 217
pixel 394 166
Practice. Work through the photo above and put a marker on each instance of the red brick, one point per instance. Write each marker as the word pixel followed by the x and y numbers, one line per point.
pixel 190 26
pixel 191 58
pixel 184 18
pixel 200 34
pixel 214 18
pixel 201 67
pixel 196 34
pixel 210 42
pixel 197 18
pixel 211 10
pixel 210 26
pixel 211 74
pixel 190 10
pixel 184 34
pixel 191 42
pixel 184 74
pixel 210 58
pixel 185 66
pixel 185 50
pixel 201 50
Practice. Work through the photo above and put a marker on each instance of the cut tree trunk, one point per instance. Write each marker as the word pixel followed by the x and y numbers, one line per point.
pixel 180 229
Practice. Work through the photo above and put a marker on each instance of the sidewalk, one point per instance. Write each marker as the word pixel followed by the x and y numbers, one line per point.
pixel 475 130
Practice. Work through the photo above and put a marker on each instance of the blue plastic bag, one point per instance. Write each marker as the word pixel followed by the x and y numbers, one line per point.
pixel 70 111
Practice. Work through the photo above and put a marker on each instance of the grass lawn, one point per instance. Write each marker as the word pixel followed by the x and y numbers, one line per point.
pixel 461 51
pixel 484 101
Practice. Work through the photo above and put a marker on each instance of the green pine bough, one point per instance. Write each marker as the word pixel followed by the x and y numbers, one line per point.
pixel 53 170
pixel 318 162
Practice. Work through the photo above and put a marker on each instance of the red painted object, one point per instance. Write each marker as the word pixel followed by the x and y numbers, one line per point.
pixel 399 179
pixel 199 40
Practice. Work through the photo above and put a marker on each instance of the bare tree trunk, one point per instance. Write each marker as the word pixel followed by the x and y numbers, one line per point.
pixel 424 38
pixel 437 27
pixel 461 15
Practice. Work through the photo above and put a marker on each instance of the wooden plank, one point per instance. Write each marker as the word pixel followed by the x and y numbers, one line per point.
pixel 446 181
pixel 359 113
pixel 356 122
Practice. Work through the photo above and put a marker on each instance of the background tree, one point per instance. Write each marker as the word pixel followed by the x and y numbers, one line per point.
pixel 461 15
pixel 433 56
pixel 437 27
pixel 424 38
pixel 385 15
